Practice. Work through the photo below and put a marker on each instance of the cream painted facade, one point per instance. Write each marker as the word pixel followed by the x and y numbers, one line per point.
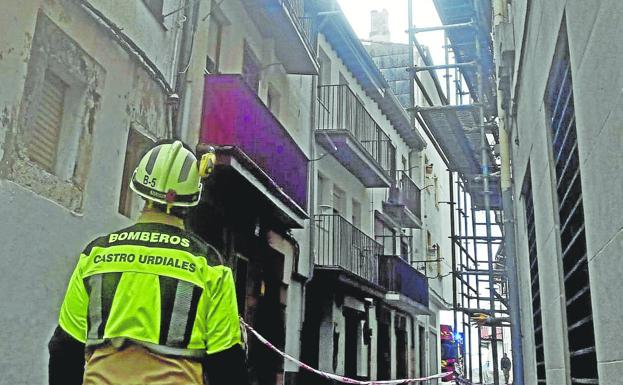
pixel 121 80
pixel 588 34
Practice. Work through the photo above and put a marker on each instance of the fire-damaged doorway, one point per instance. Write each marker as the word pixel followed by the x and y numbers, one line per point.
pixel 356 359
pixel 234 220
pixel 384 344
pixel 263 304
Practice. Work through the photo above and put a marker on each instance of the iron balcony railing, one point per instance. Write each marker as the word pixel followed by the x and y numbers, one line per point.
pixel 339 243
pixel 339 109
pixel 397 275
pixel 303 23
pixel 409 193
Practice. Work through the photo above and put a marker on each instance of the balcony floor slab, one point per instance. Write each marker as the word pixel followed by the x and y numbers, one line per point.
pixel 354 157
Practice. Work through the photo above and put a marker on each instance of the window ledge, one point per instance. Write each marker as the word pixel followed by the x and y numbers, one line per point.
pixel 33 177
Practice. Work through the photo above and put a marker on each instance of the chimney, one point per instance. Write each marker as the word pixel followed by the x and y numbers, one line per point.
pixel 379 26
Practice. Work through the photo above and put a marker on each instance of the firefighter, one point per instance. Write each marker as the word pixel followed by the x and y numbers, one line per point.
pixel 143 305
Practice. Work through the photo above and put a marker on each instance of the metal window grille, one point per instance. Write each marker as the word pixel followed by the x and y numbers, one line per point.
pixel 580 329
pixel 46 130
pixel 534 279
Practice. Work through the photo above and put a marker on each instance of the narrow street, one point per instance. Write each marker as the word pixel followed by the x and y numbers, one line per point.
pixel 404 191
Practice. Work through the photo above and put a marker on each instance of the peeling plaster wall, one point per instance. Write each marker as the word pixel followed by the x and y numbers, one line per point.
pixel 44 225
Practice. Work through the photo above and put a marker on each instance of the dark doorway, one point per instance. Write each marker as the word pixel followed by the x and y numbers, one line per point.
pixel 268 315
pixel 383 345
pixel 422 349
pixel 401 346
pixel 401 354
pixel 350 341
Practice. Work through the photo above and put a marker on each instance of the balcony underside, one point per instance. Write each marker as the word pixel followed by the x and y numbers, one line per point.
pixel 353 157
pixel 400 214
pixel 406 304
pixel 239 181
pixel 336 277
pixel 275 21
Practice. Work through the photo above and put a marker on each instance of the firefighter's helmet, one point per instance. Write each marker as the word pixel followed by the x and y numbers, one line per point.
pixel 169 174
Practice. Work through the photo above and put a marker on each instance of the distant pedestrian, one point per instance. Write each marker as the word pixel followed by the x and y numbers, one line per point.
pixel 505 363
pixel 487 373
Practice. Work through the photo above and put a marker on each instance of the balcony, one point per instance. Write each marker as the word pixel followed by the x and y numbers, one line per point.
pixel 404 203
pixel 345 129
pixel 251 139
pixel 404 283
pixel 285 22
pixel 339 244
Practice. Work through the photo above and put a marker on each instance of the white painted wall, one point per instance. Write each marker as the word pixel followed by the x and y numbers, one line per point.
pixel 593 32
pixel 39 238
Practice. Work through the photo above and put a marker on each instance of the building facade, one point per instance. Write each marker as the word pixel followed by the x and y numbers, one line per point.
pixel 560 92
pixel 77 89
pixel 324 201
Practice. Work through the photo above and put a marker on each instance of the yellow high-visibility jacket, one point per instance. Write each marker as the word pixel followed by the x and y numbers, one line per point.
pixel 151 284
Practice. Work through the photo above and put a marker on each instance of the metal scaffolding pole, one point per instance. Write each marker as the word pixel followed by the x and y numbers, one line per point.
pixel 475 275
pixel 477 283
pixel 487 202
pixel 465 251
pixel 453 254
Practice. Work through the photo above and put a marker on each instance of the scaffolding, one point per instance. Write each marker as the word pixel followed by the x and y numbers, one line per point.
pixel 463 127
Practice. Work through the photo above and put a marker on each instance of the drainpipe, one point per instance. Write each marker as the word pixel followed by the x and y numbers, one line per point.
pixel 499 17
pixel 312 179
pixel 511 257
pixel 182 79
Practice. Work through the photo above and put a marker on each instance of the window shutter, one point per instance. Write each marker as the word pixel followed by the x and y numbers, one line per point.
pixel 45 133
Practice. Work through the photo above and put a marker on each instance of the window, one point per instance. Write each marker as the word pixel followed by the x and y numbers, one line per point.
pixel 534 279
pixel 215 39
pixel 155 7
pixel 405 248
pixel 250 68
pixel 339 201
pixel 137 145
pixel 432 255
pixel 386 236
pixel 323 195
pixel 343 80
pixel 273 100
pixel 325 68
pixel 437 192
pixel 46 130
pixel 57 120
pixel 432 353
pixel 560 110
pixel 356 215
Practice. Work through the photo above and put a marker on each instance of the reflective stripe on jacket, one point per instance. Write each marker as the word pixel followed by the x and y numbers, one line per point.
pixel 151 284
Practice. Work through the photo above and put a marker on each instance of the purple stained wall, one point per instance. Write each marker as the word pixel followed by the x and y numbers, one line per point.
pixel 234 115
